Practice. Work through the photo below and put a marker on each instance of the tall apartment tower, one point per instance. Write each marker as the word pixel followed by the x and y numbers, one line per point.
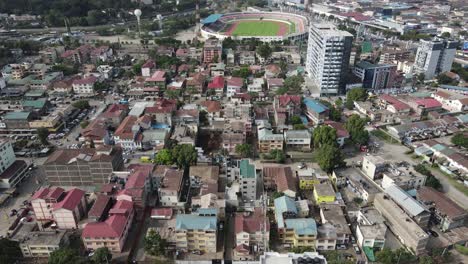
pixel 328 54
pixel 434 57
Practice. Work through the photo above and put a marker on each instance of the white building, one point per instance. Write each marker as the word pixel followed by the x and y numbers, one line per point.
pixel 248 180
pixel 256 86
pixel 7 155
pixel 371 229
pixel 85 86
pixel 297 138
pixel 434 57
pixel 328 54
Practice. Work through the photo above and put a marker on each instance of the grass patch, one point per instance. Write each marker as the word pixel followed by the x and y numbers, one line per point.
pixel 256 28
pixel 459 186
pixel 462 249
pixel 384 136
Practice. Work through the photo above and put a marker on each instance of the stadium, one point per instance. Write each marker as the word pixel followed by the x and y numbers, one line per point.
pixel 265 26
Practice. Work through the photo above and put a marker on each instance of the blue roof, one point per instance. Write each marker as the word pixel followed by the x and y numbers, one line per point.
pixel 304 119
pixel 463 118
pixel 284 204
pixel 453 87
pixel 302 226
pixel 188 221
pixel 211 18
pixel 315 105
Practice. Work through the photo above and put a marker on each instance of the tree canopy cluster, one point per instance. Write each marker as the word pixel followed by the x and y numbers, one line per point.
pixel 328 154
pixel 183 155
pixel 356 94
pixel 356 127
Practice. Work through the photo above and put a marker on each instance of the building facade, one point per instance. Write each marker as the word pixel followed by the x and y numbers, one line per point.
pixel 434 57
pixel 328 54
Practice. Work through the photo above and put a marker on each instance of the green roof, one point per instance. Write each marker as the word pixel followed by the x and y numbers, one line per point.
pixel 247 170
pixel 39 103
pixel 369 253
pixel 366 47
pixel 188 221
pixel 17 115
pixel 302 226
pixel 35 93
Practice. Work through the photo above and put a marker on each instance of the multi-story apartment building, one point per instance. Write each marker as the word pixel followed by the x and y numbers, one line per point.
pixel 377 77
pixel 212 50
pixel 252 231
pixel 371 229
pixel 446 213
pixel 64 208
pixel 196 232
pixel 39 244
pixel 85 86
pixel 170 191
pixel 298 232
pixel 451 101
pixel 333 214
pixel 328 55
pixel 401 224
pixel 393 56
pixel 434 57
pixel 267 140
pixel 7 155
pixel 248 180
pixel 316 111
pixel 112 232
pixel 82 167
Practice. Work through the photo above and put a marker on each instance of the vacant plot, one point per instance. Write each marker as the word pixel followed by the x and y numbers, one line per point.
pixel 259 28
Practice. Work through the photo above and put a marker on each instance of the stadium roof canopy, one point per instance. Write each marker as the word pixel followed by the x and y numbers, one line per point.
pixel 211 18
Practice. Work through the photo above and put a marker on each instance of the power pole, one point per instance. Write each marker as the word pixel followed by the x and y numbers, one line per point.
pixel 197 17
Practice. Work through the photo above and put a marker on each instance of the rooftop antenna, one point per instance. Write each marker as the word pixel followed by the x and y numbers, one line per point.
pixel 137 13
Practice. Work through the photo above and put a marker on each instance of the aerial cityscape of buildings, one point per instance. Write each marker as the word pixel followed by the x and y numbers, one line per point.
pixel 269 132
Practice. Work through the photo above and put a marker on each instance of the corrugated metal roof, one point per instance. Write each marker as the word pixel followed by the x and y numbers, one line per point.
pixel 302 226
pixel 403 199
pixel 211 18
pixel 187 221
pixel 247 170
pixel 314 105
pixel 284 204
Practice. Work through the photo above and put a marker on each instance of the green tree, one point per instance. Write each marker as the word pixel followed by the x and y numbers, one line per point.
pixel 335 257
pixel 278 155
pixel 42 134
pixel 324 135
pixel 64 256
pixel 299 127
pixel 154 244
pixel 84 124
pixel 164 157
pixel 433 182
pixel 184 155
pixel 81 104
pixel 421 77
pixel 356 127
pixel 295 120
pixel 264 50
pixel 445 35
pixel 10 251
pixel 243 72
pixel 102 256
pixel 65 69
pixel 101 86
pixel 329 157
pixel 460 139
pixel 426 260
pixel 277 195
pixel 136 68
pixel 356 94
pixel 292 84
pixel 244 150
pixel 401 255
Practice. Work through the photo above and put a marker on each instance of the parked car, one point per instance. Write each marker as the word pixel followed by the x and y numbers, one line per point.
pixel 341 247
pixel 356 249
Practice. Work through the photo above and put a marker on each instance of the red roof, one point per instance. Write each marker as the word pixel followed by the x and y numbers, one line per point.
pixel 124 131
pixel 137 179
pixel 357 16
pixel 428 103
pixel 217 83
pixel 71 200
pixel 149 64
pixel 235 81
pixel 158 76
pixel 341 131
pixel 275 82
pixel 99 206
pixel 48 193
pixel 114 226
pixel 399 105
pixel 166 212
pixel 284 100
pixel 250 223
pixel 212 106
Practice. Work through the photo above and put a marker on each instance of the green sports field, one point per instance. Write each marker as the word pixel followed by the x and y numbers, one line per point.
pixel 259 28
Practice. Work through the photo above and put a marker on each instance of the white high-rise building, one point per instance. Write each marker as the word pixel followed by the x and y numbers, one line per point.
pixel 7 155
pixel 434 57
pixel 328 55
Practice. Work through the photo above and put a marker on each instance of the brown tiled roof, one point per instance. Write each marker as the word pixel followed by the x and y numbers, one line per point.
pixel 442 202
pixel 250 223
pixel 99 206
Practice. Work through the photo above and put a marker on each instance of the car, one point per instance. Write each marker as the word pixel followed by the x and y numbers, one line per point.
pixel 356 249
pixel 301 166
pixel 13 212
pixel 433 233
pixel 341 247
pixel 197 252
